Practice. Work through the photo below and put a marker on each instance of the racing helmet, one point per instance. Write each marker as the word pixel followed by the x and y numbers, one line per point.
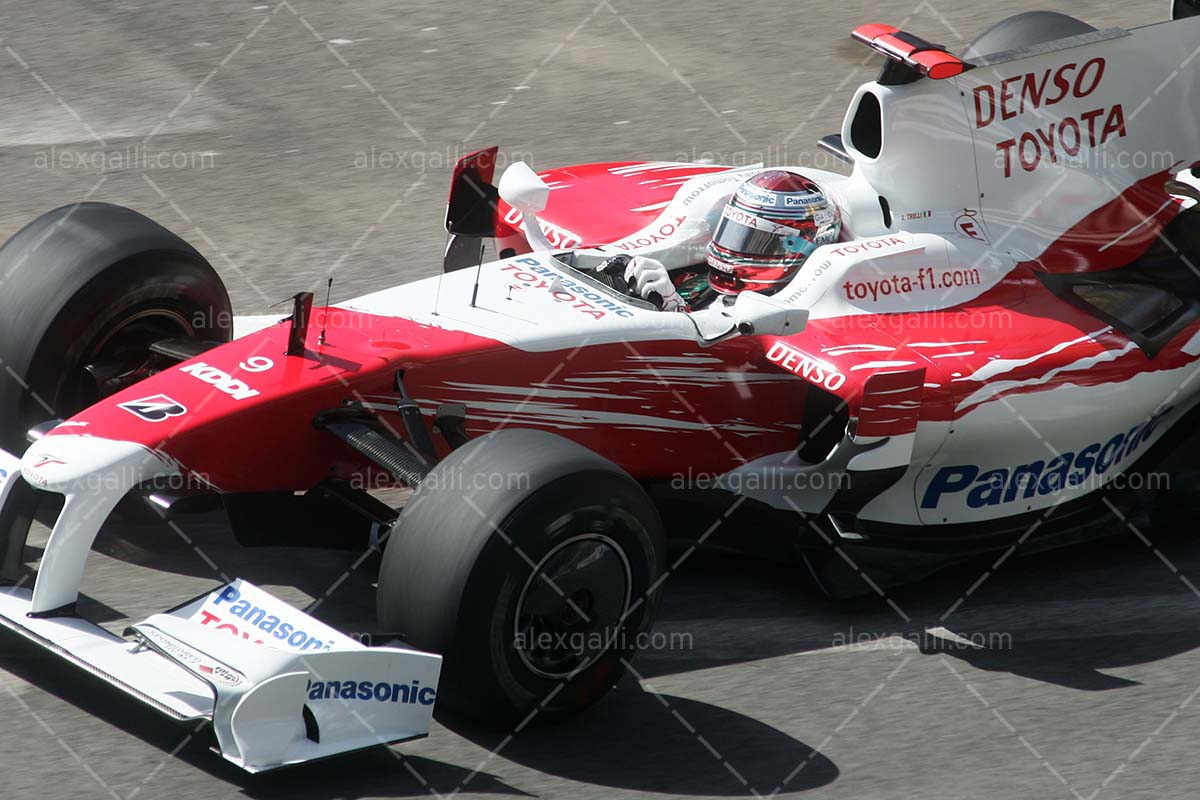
pixel 767 230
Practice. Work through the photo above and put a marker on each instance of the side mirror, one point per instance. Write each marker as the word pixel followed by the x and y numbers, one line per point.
pixel 758 314
pixel 1185 8
pixel 522 189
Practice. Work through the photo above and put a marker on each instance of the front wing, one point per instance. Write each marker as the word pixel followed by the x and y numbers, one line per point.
pixel 278 686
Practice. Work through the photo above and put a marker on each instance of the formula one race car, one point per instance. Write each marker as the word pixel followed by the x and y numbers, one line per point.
pixel 1002 341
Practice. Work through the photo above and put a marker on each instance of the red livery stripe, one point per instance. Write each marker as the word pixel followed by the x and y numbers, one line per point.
pixel 891 403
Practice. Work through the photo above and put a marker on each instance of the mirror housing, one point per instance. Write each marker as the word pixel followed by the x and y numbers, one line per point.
pixel 525 191
pixel 471 209
pixel 758 315
pixel 522 189
pixel 750 314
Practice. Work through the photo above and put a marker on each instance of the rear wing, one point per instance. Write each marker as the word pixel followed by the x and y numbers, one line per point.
pixel 909 57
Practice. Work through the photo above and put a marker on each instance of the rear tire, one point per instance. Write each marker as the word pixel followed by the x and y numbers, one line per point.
pixel 85 289
pixel 484 554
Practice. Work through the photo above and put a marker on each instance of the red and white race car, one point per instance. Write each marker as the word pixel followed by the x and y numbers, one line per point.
pixel 1006 336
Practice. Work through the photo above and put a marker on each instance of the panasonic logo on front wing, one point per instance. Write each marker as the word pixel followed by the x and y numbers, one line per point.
pixel 256 624
pixel 382 692
pixel 1040 477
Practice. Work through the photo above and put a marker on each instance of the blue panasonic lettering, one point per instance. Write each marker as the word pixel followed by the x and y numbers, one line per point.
pixel 1055 477
pixel 1152 424
pixel 1085 464
pixel 379 692
pixel 584 291
pixel 1065 470
pixel 948 479
pixel 1024 478
pixel 262 619
pixel 227 595
pixel 1131 441
pixel 988 489
pixel 1108 453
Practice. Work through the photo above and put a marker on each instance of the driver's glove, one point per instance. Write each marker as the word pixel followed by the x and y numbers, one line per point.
pixel 650 279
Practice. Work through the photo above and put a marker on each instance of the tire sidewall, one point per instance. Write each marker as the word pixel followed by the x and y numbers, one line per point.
pixel 156 281
pixel 496 674
pixel 62 319
pixel 449 580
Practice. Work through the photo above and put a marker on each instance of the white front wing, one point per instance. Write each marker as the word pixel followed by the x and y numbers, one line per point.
pixel 280 687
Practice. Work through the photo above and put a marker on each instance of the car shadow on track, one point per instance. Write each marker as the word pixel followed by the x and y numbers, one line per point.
pixel 376 772
pixel 1076 612
pixel 634 740
pixel 1058 617
pixel 1070 613
pixel 639 741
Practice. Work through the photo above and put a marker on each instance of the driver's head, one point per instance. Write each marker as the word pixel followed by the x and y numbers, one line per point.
pixel 767 230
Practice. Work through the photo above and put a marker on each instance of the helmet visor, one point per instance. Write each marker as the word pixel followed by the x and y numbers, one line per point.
pixel 771 241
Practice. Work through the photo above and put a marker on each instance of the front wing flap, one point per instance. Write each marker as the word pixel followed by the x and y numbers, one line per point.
pixel 279 687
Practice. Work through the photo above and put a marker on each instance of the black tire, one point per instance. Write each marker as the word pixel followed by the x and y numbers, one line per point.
pixel 1024 30
pixel 457 576
pixel 90 284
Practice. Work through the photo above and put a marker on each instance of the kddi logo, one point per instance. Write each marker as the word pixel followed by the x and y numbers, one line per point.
pixel 221 380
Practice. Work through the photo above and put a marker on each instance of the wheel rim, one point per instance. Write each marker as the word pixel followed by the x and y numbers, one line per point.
pixel 119 357
pixel 572 606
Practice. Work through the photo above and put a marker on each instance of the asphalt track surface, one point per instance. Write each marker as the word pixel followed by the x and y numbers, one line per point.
pixel 306 139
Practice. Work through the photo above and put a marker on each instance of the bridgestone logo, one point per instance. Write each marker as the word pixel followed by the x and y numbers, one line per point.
pixel 155 408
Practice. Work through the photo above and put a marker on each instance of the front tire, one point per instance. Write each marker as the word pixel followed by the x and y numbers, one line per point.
pixel 527 561
pixel 84 290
